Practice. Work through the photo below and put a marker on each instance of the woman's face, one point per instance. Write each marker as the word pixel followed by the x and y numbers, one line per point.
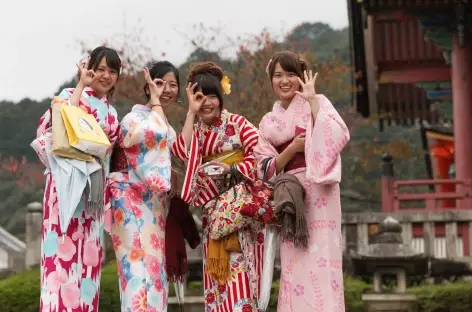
pixel 285 83
pixel 171 90
pixel 106 80
pixel 210 110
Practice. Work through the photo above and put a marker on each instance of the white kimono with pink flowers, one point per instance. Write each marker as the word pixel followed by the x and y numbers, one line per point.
pixel 311 279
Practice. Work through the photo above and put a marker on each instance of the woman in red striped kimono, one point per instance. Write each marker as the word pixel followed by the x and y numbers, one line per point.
pixel 230 139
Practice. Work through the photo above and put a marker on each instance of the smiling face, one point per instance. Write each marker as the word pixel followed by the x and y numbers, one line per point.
pixel 210 110
pixel 285 83
pixel 107 78
pixel 171 91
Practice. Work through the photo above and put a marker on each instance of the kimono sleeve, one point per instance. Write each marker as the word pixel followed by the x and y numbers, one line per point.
pixel 265 154
pixel 144 141
pixel 112 122
pixel 323 144
pixel 179 149
pixel 248 136
pixel 44 131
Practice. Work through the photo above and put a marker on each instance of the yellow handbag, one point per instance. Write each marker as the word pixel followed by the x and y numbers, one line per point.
pixel 84 132
pixel 60 141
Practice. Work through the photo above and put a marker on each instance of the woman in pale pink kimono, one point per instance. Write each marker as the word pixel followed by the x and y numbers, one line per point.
pixel 304 135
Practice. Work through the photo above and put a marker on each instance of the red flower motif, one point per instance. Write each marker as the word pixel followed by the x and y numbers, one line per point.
pixel 116 241
pixel 161 223
pixel 218 123
pixel 230 130
pixel 111 119
pixel 158 284
pixel 154 241
pixel 133 150
pixel 260 238
pixel 210 298
pixel 221 288
pixel 247 308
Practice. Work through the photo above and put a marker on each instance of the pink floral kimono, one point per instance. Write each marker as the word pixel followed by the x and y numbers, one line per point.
pixel 71 264
pixel 311 279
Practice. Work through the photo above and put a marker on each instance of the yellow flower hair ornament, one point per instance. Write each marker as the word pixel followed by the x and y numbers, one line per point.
pixel 226 85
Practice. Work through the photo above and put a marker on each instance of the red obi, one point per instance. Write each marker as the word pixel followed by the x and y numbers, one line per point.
pixel 118 159
pixel 297 162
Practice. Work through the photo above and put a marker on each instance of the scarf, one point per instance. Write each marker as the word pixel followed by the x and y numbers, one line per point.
pixel 217 264
pixel 94 192
pixel 180 226
pixel 289 204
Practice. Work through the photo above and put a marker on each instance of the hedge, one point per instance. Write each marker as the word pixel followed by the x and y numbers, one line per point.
pixel 20 293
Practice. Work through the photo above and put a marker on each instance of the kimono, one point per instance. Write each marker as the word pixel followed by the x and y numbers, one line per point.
pixel 312 278
pixel 231 132
pixel 71 264
pixel 139 202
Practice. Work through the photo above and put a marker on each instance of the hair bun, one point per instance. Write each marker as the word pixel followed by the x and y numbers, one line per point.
pixel 204 68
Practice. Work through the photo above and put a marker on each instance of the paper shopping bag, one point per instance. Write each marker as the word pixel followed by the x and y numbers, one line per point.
pixel 60 141
pixel 84 132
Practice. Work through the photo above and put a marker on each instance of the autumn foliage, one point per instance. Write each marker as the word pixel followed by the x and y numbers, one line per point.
pixel 23 173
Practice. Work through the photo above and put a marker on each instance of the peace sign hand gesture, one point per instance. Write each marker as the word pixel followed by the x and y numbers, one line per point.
pixel 156 86
pixel 195 100
pixel 86 76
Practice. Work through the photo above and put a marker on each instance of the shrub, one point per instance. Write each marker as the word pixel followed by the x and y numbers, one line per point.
pixel 454 297
pixel 20 293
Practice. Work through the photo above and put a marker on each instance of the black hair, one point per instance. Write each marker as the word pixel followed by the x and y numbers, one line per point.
pixel 208 75
pixel 290 62
pixel 112 58
pixel 159 70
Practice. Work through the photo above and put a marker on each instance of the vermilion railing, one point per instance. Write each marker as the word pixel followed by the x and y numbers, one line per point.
pixel 395 193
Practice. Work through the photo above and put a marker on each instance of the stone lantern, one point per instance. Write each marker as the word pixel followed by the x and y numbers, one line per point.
pixel 388 256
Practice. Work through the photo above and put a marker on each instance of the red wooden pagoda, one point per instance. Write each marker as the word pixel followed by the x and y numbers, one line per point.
pixel 411 56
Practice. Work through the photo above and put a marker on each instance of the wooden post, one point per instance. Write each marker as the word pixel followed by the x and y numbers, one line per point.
pixel 387 184
pixel 461 66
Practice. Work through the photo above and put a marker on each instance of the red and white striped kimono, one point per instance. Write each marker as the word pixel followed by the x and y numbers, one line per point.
pixel 230 132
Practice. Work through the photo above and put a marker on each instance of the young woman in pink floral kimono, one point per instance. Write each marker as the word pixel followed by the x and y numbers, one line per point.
pixel 71 263
pixel 304 135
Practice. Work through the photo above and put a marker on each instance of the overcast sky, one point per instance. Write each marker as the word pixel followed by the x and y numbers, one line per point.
pixel 39 39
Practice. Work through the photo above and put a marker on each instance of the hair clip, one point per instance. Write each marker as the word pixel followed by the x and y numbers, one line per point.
pixel 267 68
pixel 226 85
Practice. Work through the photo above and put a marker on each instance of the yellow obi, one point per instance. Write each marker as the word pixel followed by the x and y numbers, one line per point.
pixel 229 158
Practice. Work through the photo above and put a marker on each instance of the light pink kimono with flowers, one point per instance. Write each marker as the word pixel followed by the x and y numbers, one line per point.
pixel 311 279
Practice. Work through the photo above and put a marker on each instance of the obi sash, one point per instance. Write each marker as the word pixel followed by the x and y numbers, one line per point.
pixel 297 162
pixel 229 158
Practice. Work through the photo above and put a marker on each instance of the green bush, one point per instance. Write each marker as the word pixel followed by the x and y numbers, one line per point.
pixel 20 293
pixel 455 297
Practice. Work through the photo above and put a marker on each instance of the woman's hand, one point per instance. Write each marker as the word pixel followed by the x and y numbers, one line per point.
pixel 195 100
pixel 86 76
pixel 298 144
pixel 309 92
pixel 225 169
pixel 156 86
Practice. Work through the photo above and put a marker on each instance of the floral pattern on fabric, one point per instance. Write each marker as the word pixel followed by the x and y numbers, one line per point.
pixel 139 203
pixel 71 264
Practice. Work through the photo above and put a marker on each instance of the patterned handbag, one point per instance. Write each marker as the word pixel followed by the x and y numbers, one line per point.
pixel 261 206
pixel 224 214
